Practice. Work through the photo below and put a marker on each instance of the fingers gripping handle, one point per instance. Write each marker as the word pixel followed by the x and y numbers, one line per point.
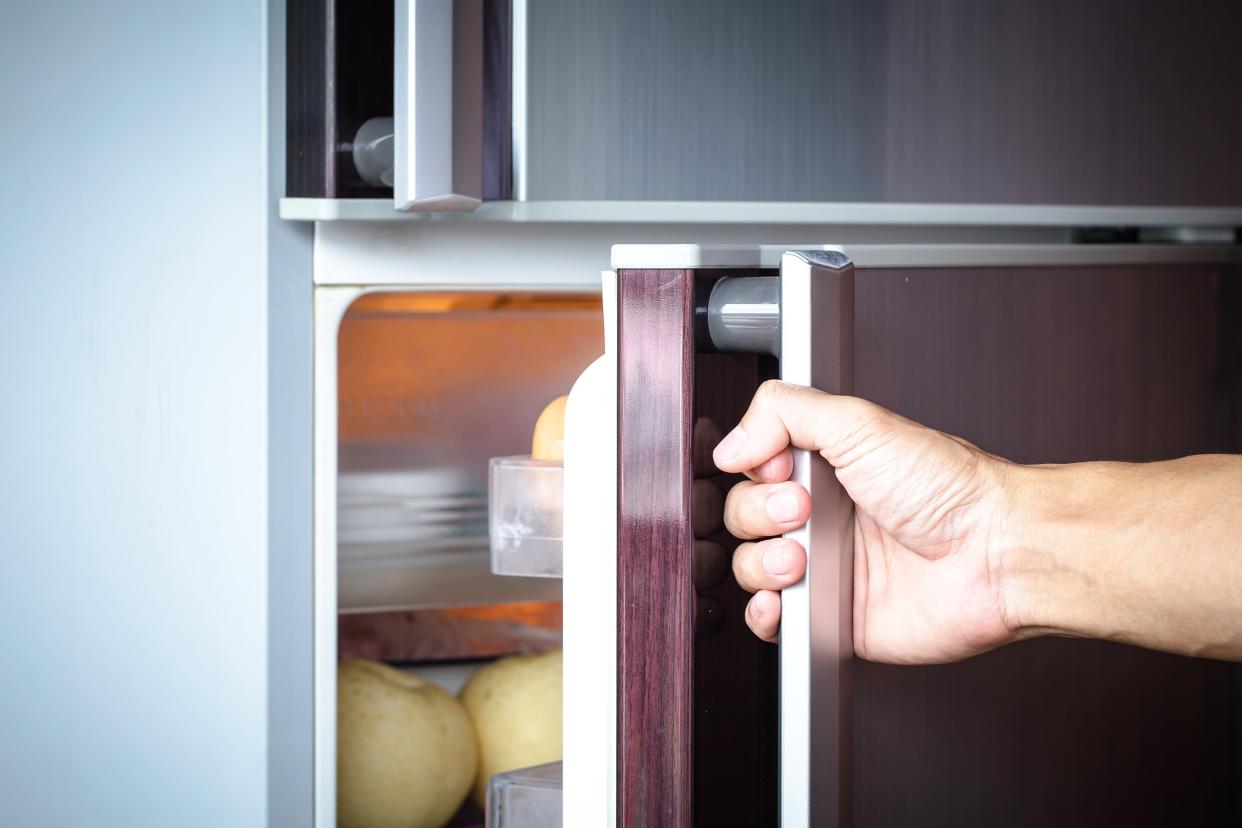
pixel 806 317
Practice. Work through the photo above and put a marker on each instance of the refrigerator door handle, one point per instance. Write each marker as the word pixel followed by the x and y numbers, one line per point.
pixel 816 640
pixel 806 318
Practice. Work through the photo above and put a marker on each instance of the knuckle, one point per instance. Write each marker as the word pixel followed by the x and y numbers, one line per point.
pixel 768 387
pixel 754 516
pixel 865 411
pixel 775 469
pixel 743 567
pixel 862 423
pixel 736 508
pixel 770 390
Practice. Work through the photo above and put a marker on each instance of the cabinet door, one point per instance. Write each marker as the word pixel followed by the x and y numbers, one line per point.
pixel 1042 355
pixel 409 100
pixel 1114 102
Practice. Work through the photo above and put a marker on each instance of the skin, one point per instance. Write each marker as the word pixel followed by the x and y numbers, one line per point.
pixel 957 551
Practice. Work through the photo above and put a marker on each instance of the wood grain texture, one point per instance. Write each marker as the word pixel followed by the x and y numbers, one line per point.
pixel 697 720
pixel 1050 365
pixel 655 589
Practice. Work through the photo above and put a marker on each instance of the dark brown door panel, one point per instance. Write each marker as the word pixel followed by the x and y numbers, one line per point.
pixel 1038 364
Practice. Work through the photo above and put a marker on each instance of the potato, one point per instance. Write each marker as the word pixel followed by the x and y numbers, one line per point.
pixel 515 704
pixel 405 749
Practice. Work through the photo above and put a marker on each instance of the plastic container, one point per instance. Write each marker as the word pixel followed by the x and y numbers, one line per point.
pixel 525 514
pixel 525 798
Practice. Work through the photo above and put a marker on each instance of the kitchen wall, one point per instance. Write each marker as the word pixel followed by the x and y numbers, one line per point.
pixel 142 278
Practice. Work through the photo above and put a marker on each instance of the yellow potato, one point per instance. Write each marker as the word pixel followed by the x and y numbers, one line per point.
pixel 515 704
pixel 548 442
pixel 405 750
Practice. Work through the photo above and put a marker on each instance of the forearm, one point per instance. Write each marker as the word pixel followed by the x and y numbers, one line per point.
pixel 1149 554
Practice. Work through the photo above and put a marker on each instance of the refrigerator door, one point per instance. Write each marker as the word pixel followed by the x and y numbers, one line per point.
pixel 1050 353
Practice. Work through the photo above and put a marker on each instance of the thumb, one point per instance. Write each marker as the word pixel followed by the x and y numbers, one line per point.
pixel 782 415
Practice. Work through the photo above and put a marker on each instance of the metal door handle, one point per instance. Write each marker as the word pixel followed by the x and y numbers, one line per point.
pixel 438 105
pixel 806 317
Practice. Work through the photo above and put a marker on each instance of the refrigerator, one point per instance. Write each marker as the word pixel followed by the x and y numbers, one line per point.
pixel 1014 223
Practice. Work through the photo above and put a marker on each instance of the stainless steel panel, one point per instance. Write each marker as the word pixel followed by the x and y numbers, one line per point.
pixel 1060 102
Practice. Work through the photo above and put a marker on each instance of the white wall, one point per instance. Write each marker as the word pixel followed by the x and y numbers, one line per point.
pixel 134 241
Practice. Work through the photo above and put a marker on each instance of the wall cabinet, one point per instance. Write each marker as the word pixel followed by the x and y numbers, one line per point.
pixel 1108 103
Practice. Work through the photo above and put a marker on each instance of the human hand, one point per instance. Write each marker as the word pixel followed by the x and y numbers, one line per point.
pixel 930 525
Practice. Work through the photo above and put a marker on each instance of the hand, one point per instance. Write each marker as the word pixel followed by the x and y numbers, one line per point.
pixel 930 523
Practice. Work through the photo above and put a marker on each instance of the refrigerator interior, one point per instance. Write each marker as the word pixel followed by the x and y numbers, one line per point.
pixel 430 386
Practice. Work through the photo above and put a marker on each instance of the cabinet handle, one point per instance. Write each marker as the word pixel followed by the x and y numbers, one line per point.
pixel 438 105
pixel 372 152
